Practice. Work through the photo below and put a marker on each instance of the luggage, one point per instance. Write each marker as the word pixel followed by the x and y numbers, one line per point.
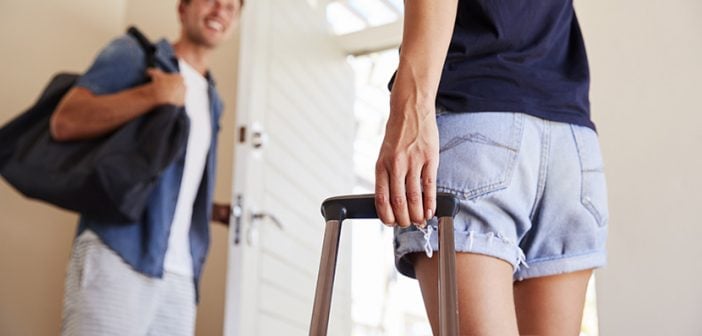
pixel 336 209
pixel 109 177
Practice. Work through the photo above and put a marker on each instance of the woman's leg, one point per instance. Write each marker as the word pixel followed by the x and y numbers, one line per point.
pixel 551 305
pixel 485 300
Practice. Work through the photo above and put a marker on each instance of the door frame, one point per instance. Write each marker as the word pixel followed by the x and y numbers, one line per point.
pixel 243 254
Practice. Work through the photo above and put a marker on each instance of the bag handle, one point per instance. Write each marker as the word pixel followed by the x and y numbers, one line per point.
pixel 146 45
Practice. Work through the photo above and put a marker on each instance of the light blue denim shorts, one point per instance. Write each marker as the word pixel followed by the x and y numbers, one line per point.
pixel 532 191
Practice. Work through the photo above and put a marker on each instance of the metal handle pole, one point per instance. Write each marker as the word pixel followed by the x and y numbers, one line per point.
pixel 336 209
pixel 325 279
pixel 448 306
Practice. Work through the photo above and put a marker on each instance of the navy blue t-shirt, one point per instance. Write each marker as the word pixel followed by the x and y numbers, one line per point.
pixel 517 56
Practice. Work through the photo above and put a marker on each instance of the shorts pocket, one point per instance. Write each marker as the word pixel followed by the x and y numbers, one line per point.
pixel 478 152
pixel 593 191
pixel 93 259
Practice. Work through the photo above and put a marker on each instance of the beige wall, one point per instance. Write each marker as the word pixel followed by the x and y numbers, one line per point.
pixel 39 38
pixel 646 60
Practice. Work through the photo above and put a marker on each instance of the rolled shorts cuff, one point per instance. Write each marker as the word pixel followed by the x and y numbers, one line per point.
pixel 561 264
pixel 490 244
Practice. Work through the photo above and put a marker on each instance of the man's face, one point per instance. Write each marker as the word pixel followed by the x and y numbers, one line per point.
pixel 209 22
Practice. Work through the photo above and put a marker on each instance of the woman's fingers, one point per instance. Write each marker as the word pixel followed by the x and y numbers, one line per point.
pixel 415 202
pixel 398 198
pixel 429 172
pixel 382 195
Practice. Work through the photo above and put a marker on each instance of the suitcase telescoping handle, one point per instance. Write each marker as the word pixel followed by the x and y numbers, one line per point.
pixel 336 209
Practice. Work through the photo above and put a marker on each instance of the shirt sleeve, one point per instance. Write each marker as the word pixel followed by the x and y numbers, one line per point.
pixel 119 66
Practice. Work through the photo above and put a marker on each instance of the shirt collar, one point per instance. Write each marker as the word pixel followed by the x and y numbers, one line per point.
pixel 166 55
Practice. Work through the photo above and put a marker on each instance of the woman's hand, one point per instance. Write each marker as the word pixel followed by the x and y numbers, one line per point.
pixel 405 173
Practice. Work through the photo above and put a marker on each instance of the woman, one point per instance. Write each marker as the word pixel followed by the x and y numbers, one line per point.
pixel 490 103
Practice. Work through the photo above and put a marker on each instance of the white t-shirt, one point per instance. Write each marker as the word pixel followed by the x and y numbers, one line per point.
pixel 178 257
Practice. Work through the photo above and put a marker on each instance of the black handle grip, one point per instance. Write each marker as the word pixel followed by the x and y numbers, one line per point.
pixel 363 206
pixel 146 45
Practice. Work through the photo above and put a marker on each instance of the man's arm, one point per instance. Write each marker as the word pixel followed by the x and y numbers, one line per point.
pixel 409 157
pixel 84 115
pixel 221 213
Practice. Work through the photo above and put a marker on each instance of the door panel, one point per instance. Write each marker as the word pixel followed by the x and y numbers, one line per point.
pixel 295 105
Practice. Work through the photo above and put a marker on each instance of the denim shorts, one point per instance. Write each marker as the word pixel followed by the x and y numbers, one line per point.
pixel 532 193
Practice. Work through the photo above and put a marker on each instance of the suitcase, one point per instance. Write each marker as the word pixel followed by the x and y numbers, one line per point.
pixel 336 209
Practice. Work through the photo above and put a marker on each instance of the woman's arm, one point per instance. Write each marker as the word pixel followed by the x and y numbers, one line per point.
pixel 409 156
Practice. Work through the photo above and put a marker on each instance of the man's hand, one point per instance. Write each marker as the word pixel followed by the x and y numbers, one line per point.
pixel 167 88
pixel 405 173
pixel 221 213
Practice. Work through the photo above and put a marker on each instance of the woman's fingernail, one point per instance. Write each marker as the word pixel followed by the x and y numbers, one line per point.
pixel 429 214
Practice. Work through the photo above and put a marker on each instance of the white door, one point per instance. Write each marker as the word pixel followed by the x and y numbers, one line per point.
pixel 294 148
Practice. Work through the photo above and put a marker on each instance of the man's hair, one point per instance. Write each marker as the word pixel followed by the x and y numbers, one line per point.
pixel 187 2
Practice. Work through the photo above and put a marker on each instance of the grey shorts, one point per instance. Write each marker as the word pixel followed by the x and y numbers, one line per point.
pixel 105 296
pixel 532 192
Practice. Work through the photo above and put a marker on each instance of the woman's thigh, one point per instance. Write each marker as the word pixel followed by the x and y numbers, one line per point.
pixel 551 305
pixel 485 300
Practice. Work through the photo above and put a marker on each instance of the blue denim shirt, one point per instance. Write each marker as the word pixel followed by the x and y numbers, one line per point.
pixel 122 65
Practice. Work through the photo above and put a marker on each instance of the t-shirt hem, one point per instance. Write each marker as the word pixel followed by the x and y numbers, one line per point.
pixel 546 113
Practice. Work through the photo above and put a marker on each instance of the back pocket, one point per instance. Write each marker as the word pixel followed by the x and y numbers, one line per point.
pixel 478 152
pixel 593 192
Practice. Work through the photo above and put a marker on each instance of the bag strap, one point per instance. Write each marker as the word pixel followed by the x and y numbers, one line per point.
pixel 146 45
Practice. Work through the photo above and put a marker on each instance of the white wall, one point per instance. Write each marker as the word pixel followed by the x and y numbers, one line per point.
pixel 646 61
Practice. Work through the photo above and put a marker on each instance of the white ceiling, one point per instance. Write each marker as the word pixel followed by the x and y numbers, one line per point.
pixel 347 16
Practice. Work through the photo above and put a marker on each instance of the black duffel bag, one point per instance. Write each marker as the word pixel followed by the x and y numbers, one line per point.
pixel 110 177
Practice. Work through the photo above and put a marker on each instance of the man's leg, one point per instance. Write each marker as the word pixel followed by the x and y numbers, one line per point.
pixel 175 315
pixel 485 300
pixel 551 305
pixel 103 295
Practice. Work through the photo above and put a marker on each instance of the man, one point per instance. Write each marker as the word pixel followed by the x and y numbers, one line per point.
pixel 141 278
pixel 513 139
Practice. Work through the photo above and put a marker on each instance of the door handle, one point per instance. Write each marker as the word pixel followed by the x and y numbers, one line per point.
pixel 263 215
pixel 237 212
pixel 259 137
pixel 252 236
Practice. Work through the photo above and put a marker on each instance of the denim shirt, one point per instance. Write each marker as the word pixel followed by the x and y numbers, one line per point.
pixel 142 245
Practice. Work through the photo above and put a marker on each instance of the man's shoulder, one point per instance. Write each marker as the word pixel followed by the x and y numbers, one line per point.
pixel 124 48
pixel 119 65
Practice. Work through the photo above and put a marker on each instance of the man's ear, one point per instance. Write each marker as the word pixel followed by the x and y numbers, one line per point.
pixel 181 10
